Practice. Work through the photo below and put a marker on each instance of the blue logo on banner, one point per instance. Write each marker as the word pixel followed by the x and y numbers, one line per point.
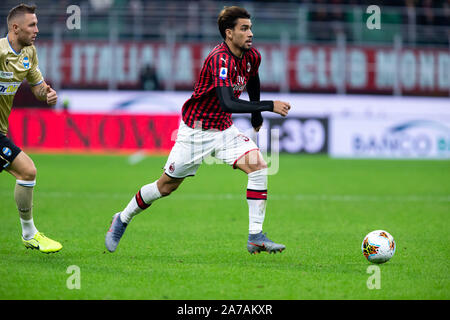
pixel 420 123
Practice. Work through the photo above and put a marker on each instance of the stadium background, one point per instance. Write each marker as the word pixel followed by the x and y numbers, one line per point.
pixel 143 57
pixel 356 93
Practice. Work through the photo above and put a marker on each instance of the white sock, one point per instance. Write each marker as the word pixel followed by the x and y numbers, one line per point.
pixel 28 228
pixel 141 201
pixel 256 199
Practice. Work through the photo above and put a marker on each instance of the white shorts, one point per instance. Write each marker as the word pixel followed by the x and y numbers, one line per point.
pixel 194 145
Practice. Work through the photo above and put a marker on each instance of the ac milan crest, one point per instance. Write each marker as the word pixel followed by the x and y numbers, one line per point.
pixel 243 137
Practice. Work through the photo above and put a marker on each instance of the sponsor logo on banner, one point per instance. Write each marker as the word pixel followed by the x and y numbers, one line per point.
pixel 311 68
pixel 417 138
pixel 408 138
pixel 291 135
pixel 44 129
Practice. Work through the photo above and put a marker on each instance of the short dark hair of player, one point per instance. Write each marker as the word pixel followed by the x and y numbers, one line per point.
pixel 228 18
pixel 19 10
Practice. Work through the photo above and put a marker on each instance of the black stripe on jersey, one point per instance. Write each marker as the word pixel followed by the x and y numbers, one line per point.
pixel 203 107
pixel 189 109
pixel 197 107
pixel 200 107
pixel 212 105
pixel 256 57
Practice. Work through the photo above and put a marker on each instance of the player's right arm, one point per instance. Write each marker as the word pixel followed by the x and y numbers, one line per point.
pixel 222 70
pixel 229 103
pixel 281 107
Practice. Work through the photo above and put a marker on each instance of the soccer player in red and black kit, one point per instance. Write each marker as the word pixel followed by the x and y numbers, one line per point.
pixel 207 129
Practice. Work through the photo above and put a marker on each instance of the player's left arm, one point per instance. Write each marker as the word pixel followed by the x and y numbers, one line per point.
pixel 254 92
pixel 41 90
pixel 44 92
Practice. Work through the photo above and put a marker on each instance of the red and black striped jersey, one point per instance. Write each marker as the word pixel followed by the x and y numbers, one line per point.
pixel 221 68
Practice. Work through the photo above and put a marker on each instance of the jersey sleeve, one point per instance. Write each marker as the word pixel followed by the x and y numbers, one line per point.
pixel 222 69
pixel 255 62
pixel 34 75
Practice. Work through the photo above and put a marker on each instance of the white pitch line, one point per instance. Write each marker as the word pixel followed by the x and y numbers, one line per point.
pixel 241 196
pixel 136 157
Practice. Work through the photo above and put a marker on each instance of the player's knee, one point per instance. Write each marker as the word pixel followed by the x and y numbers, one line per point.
pixel 260 165
pixel 253 161
pixel 29 173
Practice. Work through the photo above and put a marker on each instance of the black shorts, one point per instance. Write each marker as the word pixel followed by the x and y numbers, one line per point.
pixel 8 152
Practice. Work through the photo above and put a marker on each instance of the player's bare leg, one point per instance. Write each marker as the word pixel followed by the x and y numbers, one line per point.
pixel 255 167
pixel 252 161
pixel 167 185
pixel 24 170
pixel 149 193
pixel 23 167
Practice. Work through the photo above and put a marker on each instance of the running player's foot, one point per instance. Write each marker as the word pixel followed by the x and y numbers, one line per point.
pixel 259 242
pixel 114 233
pixel 42 243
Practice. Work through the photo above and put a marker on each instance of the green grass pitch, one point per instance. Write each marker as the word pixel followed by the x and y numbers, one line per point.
pixel 192 245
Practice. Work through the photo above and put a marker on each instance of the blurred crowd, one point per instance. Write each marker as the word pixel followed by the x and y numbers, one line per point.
pixel 325 18
pixel 429 18
pixel 427 12
pixel 425 9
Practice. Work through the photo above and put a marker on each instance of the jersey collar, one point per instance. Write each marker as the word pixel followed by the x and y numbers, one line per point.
pixel 231 52
pixel 12 47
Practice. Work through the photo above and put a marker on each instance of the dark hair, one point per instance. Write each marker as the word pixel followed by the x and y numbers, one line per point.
pixel 228 18
pixel 19 10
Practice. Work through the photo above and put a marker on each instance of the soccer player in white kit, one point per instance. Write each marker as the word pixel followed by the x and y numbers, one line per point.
pixel 207 129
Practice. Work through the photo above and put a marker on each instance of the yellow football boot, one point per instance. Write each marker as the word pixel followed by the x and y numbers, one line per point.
pixel 42 243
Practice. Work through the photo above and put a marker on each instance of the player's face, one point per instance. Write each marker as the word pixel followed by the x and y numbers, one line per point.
pixel 241 35
pixel 27 29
